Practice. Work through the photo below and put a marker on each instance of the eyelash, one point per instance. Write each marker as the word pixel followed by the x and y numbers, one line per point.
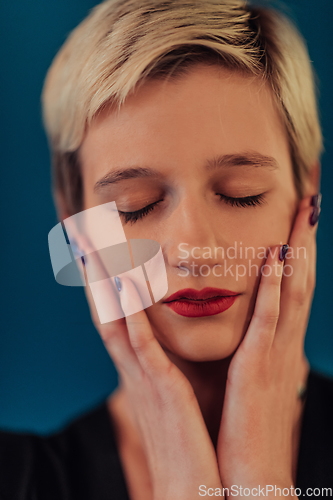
pixel 132 217
pixel 247 201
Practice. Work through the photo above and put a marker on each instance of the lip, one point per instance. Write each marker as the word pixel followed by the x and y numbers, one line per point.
pixel 198 303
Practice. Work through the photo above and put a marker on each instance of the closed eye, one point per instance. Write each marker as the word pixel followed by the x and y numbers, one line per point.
pixel 132 217
pixel 246 201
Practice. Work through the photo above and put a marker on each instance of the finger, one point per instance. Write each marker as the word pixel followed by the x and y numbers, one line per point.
pixel 115 338
pixel 82 245
pixel 298 278
pixel 151 356
pixel 102 290
pixel 261 331
pixel 103 299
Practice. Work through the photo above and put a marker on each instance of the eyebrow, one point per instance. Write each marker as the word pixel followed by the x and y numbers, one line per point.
pixel 124 174
pixel 252 159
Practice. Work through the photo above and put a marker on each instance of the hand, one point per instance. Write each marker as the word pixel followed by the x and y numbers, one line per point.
pixel 255 444
pixel 177 445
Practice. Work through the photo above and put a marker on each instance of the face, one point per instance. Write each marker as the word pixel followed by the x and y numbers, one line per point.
pixel 210 175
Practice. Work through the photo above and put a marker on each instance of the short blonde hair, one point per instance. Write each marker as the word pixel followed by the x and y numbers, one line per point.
pixel 122 43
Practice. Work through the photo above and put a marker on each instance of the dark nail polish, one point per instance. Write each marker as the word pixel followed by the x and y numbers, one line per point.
pixel 283 251
pixel 83 262
pixel 118 283
pixel 316 200
pixel 314 216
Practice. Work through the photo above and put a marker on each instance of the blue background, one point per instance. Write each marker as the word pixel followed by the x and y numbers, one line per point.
pixel 53 365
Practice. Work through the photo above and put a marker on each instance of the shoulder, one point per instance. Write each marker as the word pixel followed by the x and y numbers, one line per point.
pixel 315 465
pixel 79 461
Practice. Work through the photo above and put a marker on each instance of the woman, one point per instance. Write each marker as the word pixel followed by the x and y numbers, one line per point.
pixel 199 120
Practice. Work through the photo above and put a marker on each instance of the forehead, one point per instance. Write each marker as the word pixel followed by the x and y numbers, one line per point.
pixel 210 110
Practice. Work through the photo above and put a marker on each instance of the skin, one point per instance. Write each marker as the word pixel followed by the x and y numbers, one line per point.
pixel 232 418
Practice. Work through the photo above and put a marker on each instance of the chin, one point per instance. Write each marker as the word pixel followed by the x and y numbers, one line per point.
pixel 204 339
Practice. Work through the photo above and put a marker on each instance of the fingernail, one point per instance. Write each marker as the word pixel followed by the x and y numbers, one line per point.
pixel 283 251
pixel 75 249
pixel 314 217
pixel 83 262
pixel 74 246
pixel 316 200
pixel 118 283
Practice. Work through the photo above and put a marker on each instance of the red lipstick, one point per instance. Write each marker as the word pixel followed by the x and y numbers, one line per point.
pixel 197 303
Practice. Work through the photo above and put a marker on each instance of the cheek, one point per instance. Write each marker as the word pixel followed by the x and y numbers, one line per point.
pixel 269 224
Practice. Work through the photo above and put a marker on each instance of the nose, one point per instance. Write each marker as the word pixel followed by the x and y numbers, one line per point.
pixel 193 236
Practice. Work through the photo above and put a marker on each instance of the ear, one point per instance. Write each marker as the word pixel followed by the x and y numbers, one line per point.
pixel 312 183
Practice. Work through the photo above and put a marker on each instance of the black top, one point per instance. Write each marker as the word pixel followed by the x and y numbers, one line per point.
pixel 81 462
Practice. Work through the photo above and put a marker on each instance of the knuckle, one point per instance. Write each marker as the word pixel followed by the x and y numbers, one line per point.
pixel 141 341
pixel 173 383
pixel 267 320
pixel 297 296
pixel 170 377
pixel 120 364
pixel 271 319
pixel 107 333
